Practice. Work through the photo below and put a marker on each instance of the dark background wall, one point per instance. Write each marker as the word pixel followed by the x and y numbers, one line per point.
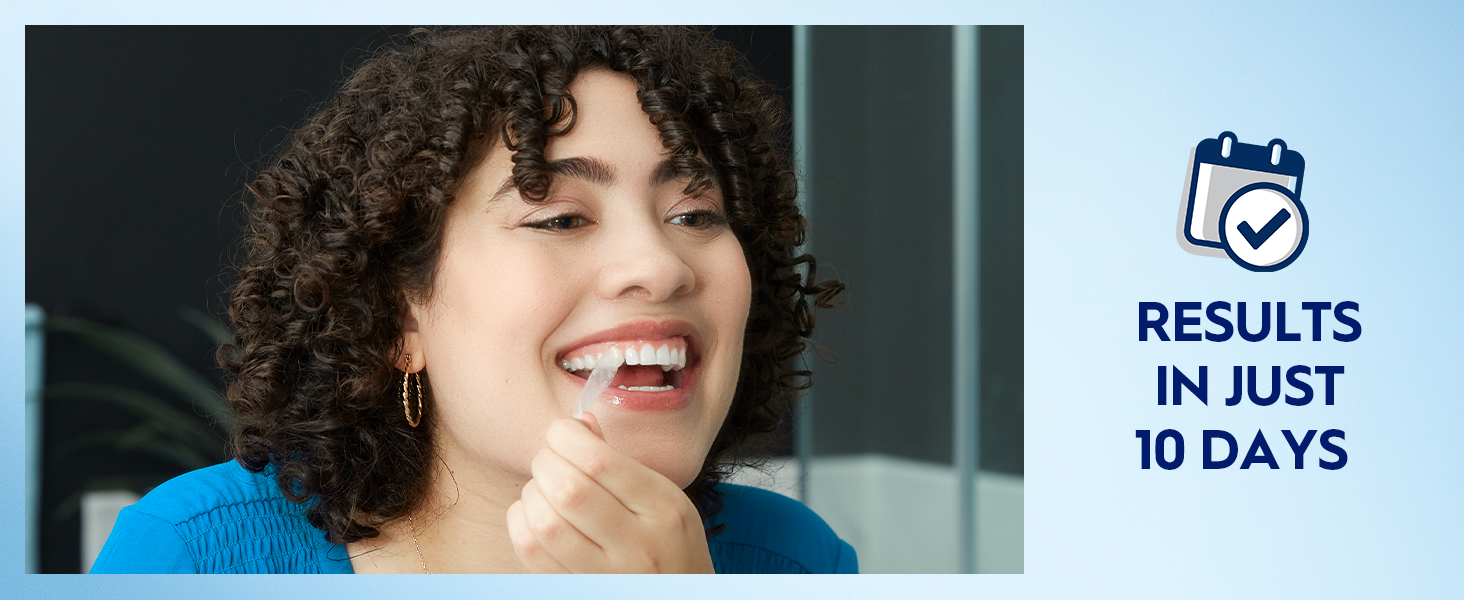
pixel 880 179
pixel 880 194
pixel 1002 172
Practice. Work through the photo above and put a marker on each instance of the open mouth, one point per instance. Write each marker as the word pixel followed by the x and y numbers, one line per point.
pixel 650 365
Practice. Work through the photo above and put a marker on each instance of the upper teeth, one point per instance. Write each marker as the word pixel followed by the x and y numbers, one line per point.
pixel 669 358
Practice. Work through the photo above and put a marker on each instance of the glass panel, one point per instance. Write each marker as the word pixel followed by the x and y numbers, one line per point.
pixel 875 107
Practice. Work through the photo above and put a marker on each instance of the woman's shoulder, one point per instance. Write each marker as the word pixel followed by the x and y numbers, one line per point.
pixel 220 519
pixel 208 490
pixel 767 532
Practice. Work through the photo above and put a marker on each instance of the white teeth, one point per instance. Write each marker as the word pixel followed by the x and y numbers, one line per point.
pixel 670 359
pixel 648 388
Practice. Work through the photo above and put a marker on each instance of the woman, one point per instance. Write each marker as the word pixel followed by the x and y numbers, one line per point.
pixel 430 266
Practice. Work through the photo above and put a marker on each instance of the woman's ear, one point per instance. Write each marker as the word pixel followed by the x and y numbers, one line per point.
pixel 413 358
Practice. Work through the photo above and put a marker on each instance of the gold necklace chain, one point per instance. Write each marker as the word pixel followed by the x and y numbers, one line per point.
pixel 411 527
pixel 413 530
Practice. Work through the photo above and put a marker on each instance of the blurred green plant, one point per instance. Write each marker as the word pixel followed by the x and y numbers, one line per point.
pixel 191 434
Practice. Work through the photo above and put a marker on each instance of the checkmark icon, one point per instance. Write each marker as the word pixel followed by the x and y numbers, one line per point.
pixel 1256 238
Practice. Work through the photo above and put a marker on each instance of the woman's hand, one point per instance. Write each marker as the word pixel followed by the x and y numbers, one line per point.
pixel 591 509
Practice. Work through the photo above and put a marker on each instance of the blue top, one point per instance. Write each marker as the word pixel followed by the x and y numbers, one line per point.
pixel 226 519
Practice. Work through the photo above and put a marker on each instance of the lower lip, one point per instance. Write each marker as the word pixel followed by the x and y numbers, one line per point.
pixel 668 400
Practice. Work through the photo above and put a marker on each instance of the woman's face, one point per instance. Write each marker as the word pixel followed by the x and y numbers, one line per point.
pixel 616 257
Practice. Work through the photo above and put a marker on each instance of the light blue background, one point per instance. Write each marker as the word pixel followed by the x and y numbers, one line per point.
pixel 1116 95
pixel 1374 100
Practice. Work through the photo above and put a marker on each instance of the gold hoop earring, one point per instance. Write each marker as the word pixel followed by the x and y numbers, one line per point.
pixel 408 376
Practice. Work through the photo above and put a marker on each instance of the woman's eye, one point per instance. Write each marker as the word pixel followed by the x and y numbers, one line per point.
pixel 701 219
pixel 562 222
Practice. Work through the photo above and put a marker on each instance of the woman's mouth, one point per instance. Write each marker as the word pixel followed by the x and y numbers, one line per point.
pixel 650 365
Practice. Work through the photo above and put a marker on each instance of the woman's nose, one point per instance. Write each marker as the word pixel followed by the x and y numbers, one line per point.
pixel 642 263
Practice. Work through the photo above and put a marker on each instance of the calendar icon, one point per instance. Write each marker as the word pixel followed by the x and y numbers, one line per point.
pixel 1244 201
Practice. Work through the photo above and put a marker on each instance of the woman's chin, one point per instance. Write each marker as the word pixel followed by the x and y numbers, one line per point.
pixel 680 474
pixel 669 431
pixel 676 457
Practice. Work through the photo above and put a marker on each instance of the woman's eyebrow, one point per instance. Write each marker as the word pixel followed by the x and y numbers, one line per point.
pixel 588 169
pixel 665 172
pixel 597 171
pixel 594 170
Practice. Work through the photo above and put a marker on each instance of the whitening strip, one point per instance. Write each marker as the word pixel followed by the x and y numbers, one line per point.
pixel 605 369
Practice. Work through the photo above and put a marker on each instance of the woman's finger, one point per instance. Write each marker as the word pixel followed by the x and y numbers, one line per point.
pixel 593 422
pixel 591 509
pixel 557 536
pixel 636 486
pixel 526 546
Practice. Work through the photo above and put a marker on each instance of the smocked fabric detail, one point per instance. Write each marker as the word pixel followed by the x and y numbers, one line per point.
pixel 261 536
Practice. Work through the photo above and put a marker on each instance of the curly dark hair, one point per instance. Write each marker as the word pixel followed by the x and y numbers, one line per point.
pixel 346 227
